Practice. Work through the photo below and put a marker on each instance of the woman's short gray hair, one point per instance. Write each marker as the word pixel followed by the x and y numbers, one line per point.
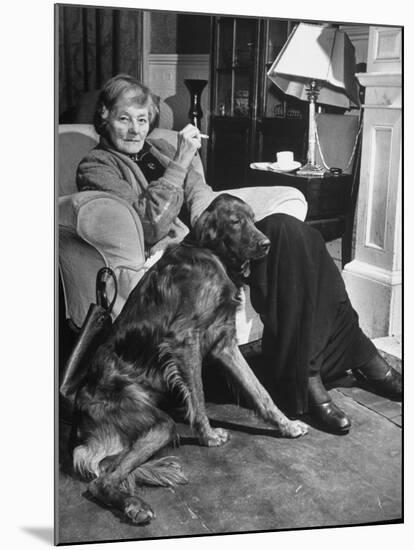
pixel 111 92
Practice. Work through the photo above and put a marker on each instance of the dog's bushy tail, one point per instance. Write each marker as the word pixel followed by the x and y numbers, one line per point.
pixel 161 472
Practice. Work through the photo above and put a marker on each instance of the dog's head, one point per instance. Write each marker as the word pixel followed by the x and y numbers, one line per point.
pixel 227 228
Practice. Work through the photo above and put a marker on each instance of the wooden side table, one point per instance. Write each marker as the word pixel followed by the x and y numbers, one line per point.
pixel 329 202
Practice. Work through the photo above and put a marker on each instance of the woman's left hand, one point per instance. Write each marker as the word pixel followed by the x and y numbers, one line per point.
pixel 189 142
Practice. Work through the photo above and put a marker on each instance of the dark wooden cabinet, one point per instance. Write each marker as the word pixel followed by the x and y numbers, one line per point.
pixel 330 208
pixel 250 119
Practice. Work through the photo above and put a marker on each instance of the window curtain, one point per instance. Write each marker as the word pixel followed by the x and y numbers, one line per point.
pixel 94 44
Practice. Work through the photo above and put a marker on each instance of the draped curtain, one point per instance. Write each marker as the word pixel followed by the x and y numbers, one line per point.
pixel 94 44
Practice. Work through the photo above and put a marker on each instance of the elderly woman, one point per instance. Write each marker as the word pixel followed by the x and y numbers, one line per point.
pixel 311 332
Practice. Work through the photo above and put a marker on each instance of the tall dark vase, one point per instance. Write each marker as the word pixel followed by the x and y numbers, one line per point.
pixel 195 87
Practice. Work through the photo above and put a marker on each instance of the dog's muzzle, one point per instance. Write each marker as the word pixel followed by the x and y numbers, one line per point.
pixel 263 247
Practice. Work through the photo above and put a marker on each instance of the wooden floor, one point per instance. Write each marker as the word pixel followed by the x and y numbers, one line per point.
pixel 259 482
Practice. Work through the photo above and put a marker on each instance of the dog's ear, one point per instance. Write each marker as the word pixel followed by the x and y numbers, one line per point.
pixel 205 228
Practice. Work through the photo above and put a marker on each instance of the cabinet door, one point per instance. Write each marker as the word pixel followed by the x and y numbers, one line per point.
pixel 229 152
pixel 234 66
pixel 234 73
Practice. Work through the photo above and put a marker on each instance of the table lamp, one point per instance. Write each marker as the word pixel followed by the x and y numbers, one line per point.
pixel 317 64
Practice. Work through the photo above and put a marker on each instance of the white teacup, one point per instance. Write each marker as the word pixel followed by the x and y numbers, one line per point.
pixel 285 160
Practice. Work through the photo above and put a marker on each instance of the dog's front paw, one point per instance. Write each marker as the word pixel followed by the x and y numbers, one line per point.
pixel 294 428
pixel 138 511
pixel 215 437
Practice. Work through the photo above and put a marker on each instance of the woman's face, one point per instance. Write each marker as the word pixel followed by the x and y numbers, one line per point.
pixel 127 126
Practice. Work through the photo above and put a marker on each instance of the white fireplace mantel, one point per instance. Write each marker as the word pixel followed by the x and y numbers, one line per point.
pixel 374 277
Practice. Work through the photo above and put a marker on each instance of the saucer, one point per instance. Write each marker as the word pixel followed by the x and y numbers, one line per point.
pixel 274 167
pixel 294 166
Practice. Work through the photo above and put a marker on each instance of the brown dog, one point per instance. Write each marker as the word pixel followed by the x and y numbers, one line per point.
pixel 181 313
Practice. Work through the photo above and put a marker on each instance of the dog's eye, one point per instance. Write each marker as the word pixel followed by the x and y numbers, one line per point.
pixel 234 221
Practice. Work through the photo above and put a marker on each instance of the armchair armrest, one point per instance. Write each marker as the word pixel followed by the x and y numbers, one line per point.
pixel 108 223
pixel 97 229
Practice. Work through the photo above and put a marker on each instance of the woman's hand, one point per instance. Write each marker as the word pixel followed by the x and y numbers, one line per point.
pixel 189 142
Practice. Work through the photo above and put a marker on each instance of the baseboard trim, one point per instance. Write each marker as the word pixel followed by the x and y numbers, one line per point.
pixel 374 273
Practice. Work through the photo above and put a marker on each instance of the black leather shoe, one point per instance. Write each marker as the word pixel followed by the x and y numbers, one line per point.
pixel 324 410
pixel 331 417
pixel 379 376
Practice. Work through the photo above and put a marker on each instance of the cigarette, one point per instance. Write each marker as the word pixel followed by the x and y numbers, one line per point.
pixel 204 136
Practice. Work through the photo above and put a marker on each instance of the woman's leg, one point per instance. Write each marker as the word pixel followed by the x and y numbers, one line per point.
pixel 311 331
pixel 380 377
pixel 297 290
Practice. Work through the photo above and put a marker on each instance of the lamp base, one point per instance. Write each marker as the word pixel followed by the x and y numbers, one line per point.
pixel 312 170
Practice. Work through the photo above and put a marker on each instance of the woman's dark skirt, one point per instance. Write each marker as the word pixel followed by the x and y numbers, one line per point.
pixel 309 323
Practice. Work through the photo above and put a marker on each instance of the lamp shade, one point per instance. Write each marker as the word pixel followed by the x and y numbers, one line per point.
pixel 321 54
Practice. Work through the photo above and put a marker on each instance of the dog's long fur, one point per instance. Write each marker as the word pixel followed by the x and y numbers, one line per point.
pixel 180 313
